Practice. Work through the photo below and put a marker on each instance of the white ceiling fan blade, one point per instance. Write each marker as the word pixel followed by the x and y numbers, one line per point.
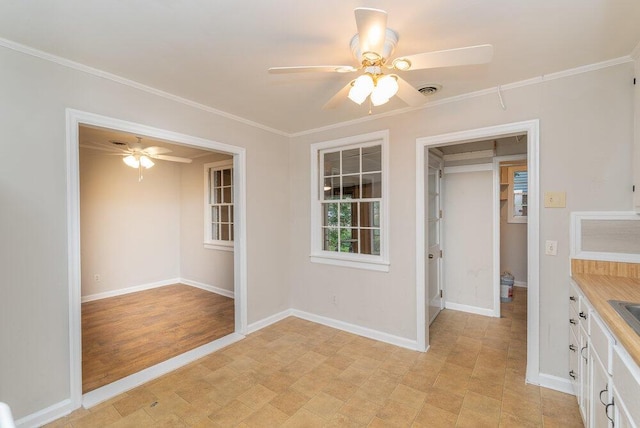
pixel 372 28
pixel 155 150
pixel 313 69
pixel 338 98
pixel 409 94
pixel 480 54
pixel 171 158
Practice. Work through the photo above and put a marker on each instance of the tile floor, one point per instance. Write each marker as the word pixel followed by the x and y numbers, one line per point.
pixel 299 374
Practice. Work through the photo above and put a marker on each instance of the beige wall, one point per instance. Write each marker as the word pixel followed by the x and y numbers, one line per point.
pixel 129 230
pixel 211 267
pixel 585 148
pixel 468 239
pixel 513 246
pixel 34 296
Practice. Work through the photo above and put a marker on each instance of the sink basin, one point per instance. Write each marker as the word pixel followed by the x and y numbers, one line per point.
pixel 629 311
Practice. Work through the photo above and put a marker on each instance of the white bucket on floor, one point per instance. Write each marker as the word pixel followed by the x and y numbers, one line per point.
pixel 506 287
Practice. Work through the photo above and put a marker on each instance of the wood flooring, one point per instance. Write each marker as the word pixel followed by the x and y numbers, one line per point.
pixel 296 373
pixel 125 334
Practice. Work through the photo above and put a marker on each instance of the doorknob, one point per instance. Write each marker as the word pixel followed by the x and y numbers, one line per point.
pixel 430 256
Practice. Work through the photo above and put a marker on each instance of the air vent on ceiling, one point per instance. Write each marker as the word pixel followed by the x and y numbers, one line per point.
pixel 430 89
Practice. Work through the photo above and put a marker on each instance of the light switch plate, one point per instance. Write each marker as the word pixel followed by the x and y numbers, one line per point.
pixel 555 199
pixel 551 248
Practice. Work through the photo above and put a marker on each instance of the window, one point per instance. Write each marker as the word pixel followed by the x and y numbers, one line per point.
pixel 218 205
pixel 349 202
pixel 518 191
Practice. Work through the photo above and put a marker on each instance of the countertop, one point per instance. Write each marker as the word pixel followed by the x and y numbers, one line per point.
pixel 598 289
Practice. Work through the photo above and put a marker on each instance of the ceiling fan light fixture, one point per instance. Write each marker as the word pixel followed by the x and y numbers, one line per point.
pixel 131 161
pixel 146 162
pixel 378 98
pixel 361 88
pixel 387 86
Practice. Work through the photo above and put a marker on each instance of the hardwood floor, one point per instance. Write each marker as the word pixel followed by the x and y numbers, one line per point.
pixel 125 334
pixel 299 374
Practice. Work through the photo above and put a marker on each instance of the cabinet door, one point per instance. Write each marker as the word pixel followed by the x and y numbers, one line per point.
pixel 620 413
pixel 600 394
pixel 585 394
pixel 574 364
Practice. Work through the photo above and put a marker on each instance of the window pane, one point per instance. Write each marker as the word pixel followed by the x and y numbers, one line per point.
pixel 231 210
pixel 217 178
pixel 348 240
pixel 331 164
pixel 214 214
pixel 214 231
pixel 370 214
pixel 372 185
pixel 332 188
pixel 226 177
pixel 330 214
pixel 372 158
pixel 218 196
pixel 231 231
pixel 224 214
pixel 349 214
pixel 330 239
pixel 211 191
pixel 351 161
pixel 224 232
pixel 227 195
pixel 370 241
pixel 351 187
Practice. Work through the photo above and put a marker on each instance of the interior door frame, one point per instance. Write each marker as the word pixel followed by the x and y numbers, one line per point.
pixel 75 118
pixel 440 173
pixel 532 129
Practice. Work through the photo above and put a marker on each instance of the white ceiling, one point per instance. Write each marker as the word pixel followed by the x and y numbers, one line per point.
pixel 217 52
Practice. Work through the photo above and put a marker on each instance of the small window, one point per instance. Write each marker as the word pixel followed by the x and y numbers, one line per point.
pixel 348 222
pixel 518 191
pixel 218 203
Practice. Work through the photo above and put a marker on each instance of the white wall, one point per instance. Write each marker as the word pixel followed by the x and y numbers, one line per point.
pixel 468 239
pixel 34 296
pixel 130 230
pixel 211 267
pixel 585 148
pixel 513 246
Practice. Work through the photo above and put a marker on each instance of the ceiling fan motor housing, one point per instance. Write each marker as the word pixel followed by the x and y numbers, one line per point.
pixel 390 42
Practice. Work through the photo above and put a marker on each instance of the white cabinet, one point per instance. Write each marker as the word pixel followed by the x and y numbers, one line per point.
pixel 605 379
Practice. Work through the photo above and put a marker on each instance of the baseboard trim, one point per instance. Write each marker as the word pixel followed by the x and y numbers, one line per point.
pixel 520 284
pixel 106 392
pixel 556 383
pixel 356 329
pixel 47 415
pixel 129 290
pixel 469 309
pixel 265 322
pixel 208 287
pixel 158 284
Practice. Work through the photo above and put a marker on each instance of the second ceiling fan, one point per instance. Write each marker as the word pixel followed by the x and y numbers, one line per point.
pixel 372 47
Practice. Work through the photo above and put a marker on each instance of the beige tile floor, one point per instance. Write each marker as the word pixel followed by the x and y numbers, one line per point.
pixel 299 374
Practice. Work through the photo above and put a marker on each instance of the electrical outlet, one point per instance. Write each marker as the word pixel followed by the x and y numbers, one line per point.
pixel 551 248
pixel 96 277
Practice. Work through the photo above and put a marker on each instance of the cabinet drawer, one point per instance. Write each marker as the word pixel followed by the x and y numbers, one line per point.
pixel 574 364
pixel 574 297
pixel 626 378
pixel 574 322
pixel 601 341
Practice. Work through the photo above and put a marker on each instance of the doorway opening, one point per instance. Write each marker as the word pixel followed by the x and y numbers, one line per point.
pixel 144 264
pixel 469 186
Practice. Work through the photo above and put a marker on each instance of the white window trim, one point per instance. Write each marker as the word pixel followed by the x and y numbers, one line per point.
pixel 358 261
pixel 511 217
pixel 209 243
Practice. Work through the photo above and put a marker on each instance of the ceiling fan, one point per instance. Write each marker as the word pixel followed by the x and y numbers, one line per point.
pixel 137 156
pixel 372 47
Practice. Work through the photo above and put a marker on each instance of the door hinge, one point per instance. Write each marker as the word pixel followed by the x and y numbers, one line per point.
pixel 440 173
pixel 440 214
pixel 634 80
pixel 441 294
pixel 633 188
pixel 440 253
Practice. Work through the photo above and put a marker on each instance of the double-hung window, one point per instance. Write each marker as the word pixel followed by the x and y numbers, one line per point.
pixel 349 202
pixel 218 205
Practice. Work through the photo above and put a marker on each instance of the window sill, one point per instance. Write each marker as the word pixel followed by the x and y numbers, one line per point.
pixel 366 264
pixel 219 246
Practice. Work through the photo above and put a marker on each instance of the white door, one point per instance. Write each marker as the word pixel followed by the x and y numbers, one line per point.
pixel 434 220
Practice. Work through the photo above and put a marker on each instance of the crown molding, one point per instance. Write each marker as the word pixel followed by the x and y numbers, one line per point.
pixel 132 83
